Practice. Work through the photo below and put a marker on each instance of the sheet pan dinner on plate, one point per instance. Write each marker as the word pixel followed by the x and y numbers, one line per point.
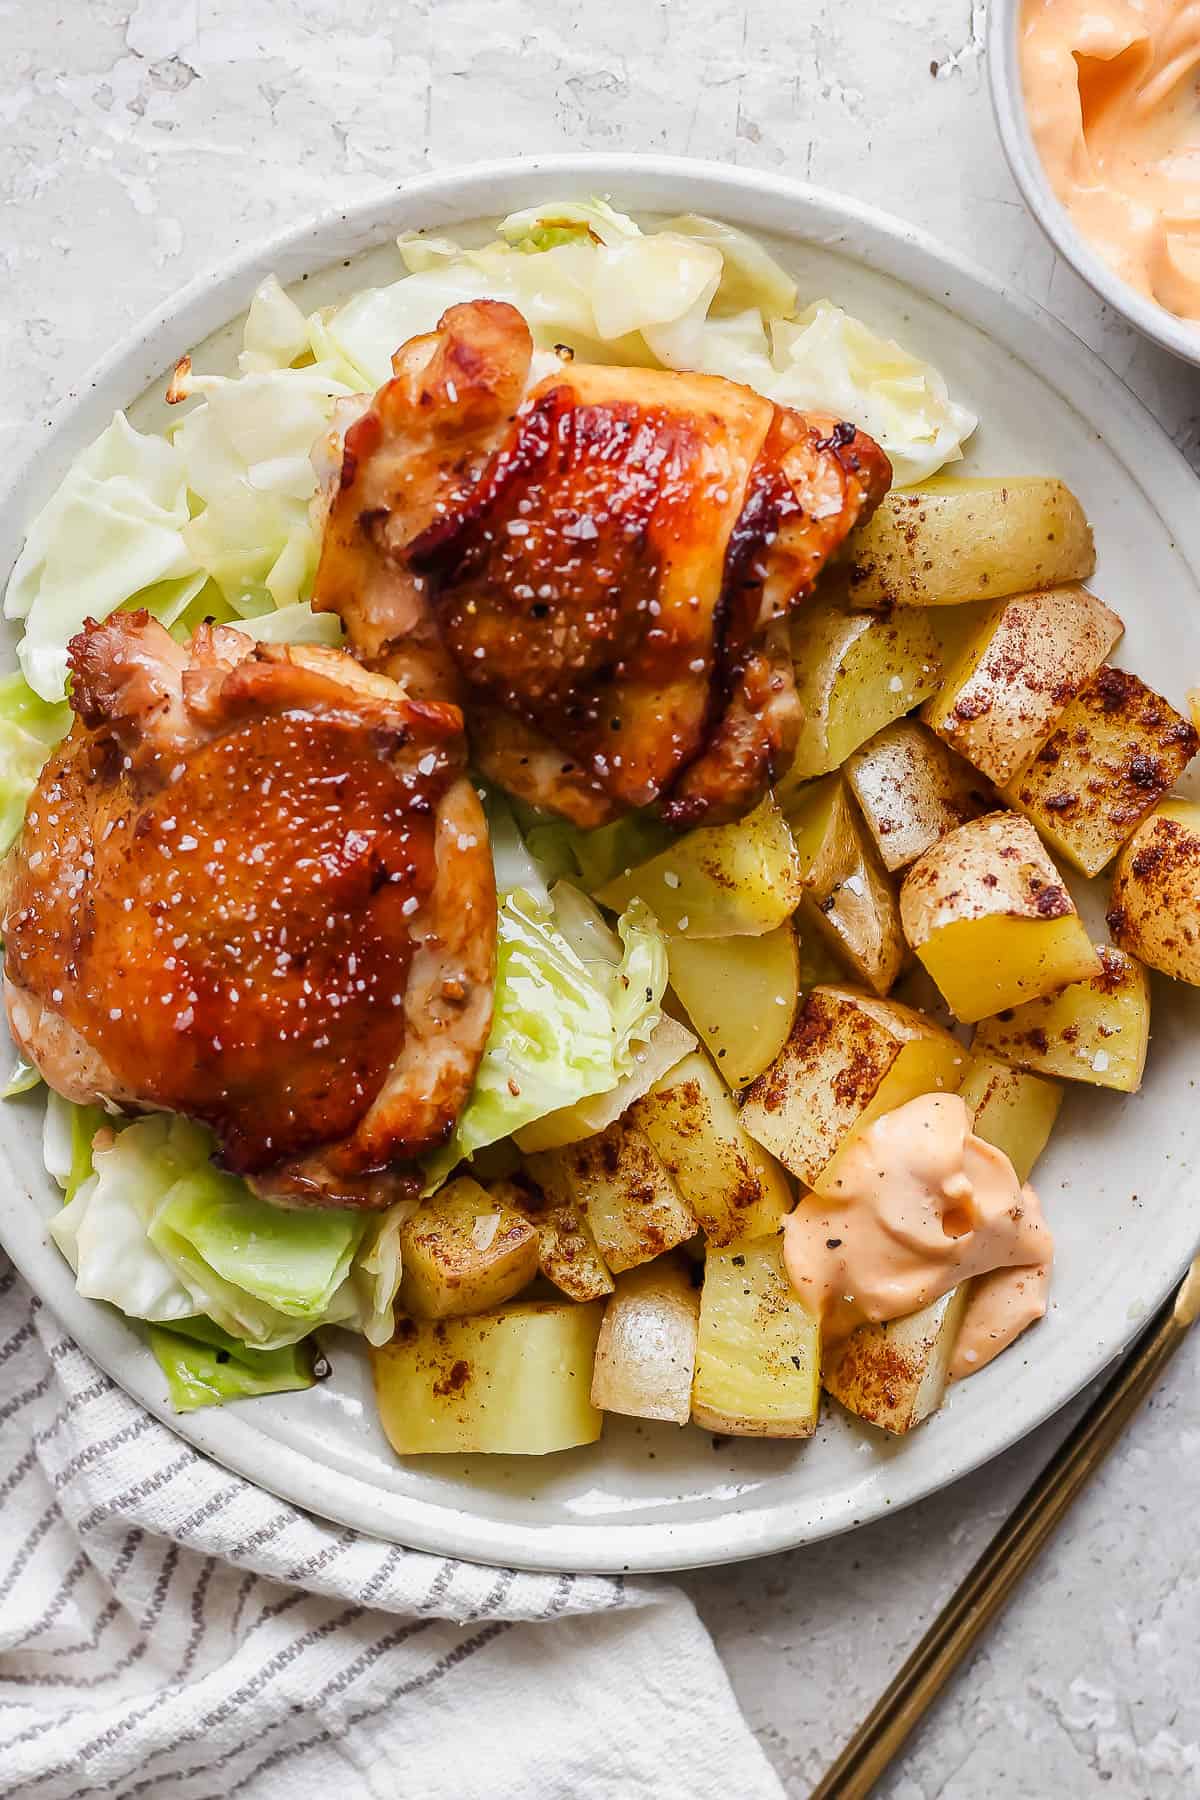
pixel 595 833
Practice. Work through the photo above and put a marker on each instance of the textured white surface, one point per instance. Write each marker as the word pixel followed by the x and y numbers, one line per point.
pixel 137 146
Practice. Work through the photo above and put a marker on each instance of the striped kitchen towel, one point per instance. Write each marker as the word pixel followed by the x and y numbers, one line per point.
pixel 167 1629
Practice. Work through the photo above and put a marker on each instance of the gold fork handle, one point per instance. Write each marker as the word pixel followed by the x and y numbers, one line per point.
pixel 1020 1540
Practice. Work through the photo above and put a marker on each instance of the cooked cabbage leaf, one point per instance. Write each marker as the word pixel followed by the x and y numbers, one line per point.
pixel 250 1258
pixel 828 359
pixel 112 531
pixel 246 452
pixel 29 729
pixel 204 1366
pixel 515 862
pixel 155 1229
pixel 694 294
pixel 567 219
pixel 103 1229
pixel 750 277
pixel 297 624
pixel 562 1028
pixel 652 1042
pixel 22 1077
pixel 590 858
pixel 275 333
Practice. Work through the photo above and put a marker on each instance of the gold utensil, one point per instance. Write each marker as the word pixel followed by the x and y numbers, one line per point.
pixel 1018 1543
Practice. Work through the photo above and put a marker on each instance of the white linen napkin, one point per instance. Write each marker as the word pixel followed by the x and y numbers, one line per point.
pixel 169 1630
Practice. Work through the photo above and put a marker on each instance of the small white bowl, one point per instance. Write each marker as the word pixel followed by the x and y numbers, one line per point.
pixel 1179 336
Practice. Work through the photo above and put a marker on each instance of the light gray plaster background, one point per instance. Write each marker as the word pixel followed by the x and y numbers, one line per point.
pixel 139 145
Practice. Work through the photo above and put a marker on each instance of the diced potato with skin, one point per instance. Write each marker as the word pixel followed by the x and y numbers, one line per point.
pixel 623 1189
pixel 646 1353
pixel 514 1382
pixel 1018 674
pixel 988 914
pixel 1013 1110
pixel 912 789
pixel 1095 1031
pixel 567 1253
pixel 850 1058
pixel 848 897
pixel 464 1251
pixel 1118 748
pixel 741 996
pixel 893 1375
pixel 721 881
pixel 961 540
pixel 854 673
pixel 758 1357
pixel 1155 910
pixel 734 1189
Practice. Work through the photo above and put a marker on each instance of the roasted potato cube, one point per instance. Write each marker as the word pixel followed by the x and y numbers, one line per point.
pixel 567 1253
pixel 721 881
pixel 1018 674
pixel 1118 748
pixel 850 1058
pixel 514 1382
pixel 912 789
pixel 961 540
pixel 622 1188
pixel 894 1375
pixel 1095 1031
pixel 854 673
pixel 1013 1110
pixel 758 1357
pixel 741 996
pixel 1155 910
pixel 732 1187
pixel 646 1353
pixel 988 914
pixel 848 897
pixel 464 1251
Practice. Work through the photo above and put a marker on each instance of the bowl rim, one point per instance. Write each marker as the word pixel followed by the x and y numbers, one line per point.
pixel 647 183
pixel 1153 321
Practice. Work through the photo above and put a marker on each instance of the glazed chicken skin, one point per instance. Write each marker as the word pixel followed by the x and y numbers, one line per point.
pixel 254 886
pixel 599 568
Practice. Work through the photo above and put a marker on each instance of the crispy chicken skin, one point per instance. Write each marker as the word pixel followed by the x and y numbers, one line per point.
pixel 254 886
pixel 601 572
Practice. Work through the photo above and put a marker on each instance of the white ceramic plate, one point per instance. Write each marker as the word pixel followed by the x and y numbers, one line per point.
pixel 1118 1181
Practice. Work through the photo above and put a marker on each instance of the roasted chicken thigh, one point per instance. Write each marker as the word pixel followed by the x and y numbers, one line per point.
pixel 254 886
pixel 599 567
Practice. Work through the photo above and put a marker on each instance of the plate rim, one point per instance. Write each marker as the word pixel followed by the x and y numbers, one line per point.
pixel 210 300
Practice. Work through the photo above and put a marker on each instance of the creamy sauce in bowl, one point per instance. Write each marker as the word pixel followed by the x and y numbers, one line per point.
pixel 1113 99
